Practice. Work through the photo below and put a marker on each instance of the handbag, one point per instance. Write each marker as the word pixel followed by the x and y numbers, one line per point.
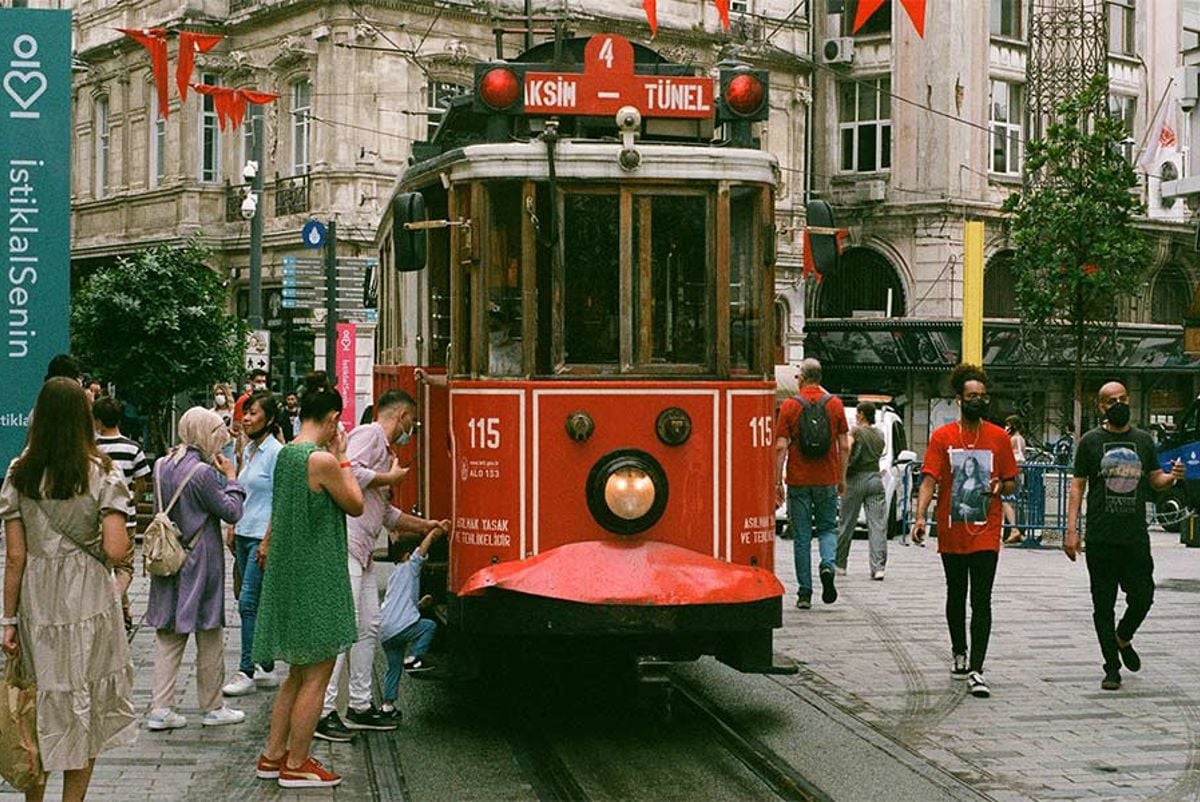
pixel 20 759
pixel 163 552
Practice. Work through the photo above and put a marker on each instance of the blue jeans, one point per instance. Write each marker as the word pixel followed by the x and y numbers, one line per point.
pixel 417 636
pixel 812 509
pixel 244 551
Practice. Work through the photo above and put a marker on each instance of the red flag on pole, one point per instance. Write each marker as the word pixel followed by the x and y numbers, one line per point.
pixel 810 267
pixel 189 45
pixel 155 41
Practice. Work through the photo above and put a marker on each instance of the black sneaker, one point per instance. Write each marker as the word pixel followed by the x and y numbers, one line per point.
pixel 977 686
pixel 331 728
pixel 390 713
pixel 369 719
pixel 416 665
pixel 960 669
pixel 804 601
pixel 828 591
pixel 1111 681
pixel 1130 658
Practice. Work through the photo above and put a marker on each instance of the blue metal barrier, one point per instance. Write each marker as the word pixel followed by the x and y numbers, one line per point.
pixel 1041 504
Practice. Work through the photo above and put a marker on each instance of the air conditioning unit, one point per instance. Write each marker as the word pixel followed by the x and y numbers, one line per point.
pixel 838 51
pixel 873 190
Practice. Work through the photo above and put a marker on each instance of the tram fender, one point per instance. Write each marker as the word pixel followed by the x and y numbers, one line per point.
pixel 631 571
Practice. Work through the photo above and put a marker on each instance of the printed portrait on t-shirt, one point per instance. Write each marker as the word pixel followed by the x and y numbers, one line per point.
pixel 971 472
pixel 1121 472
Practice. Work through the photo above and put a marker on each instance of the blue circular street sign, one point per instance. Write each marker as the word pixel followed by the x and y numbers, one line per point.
pixel 313 234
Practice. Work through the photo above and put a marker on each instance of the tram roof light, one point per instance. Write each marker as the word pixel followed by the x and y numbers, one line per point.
pixel 744 94
pixel 499 88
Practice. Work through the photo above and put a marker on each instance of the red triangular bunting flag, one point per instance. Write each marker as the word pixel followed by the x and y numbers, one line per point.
pixel 810 267
pixel 222 100
pixel 723 12
pixel 258 98
pixel 155 41
pixel 916 13
pixel 866 8
pixel 189 45
pixel 651 9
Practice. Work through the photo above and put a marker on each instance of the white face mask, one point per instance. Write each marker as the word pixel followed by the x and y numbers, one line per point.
pixel 220 400
pixel 260 386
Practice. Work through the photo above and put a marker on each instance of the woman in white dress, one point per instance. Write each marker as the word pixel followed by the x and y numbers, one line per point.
pixel 63 506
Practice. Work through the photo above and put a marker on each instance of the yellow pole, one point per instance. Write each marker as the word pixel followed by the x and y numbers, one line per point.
pixel 972 331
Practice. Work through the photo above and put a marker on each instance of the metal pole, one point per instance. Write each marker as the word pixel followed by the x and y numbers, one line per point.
pixel 528 25
pixel 256 227
pixel 331 300
pixel 972 333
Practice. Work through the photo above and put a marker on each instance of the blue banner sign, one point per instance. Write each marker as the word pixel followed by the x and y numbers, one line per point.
pixel 35 209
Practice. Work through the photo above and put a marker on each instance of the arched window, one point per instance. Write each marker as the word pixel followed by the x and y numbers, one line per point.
pixel 865 285
pixel 1171 296
pixel 999 288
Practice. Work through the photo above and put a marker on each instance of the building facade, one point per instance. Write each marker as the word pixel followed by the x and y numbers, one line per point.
pixel 357 84
pixel 913 136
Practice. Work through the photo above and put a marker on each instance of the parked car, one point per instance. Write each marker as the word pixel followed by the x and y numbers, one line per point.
pixel 896 455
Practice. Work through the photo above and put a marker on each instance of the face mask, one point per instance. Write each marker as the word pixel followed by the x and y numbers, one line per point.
pixel 974 409
pixel 1118 415
pixel 260 387
pixel 220 400
pixel 405 438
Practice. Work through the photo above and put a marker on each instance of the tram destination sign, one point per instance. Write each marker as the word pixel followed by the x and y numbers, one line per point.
pixel 608 83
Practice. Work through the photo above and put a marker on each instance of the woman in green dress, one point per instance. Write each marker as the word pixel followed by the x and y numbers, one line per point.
pixel 306 612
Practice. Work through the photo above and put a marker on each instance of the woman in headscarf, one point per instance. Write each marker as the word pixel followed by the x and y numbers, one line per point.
pixel 63 506
pixel 193 600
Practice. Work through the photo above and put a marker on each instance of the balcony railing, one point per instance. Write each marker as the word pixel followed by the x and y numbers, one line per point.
pixel 238 5
pixel 291 194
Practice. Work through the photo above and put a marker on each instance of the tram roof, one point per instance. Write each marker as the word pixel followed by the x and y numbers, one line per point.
pixel 595 161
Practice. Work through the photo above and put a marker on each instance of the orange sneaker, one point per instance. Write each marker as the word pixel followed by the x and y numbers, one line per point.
pixel 268 769
pixel 309 774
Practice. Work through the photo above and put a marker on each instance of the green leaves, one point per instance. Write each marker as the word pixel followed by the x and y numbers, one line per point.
pixel 157 324
pixel 1076 247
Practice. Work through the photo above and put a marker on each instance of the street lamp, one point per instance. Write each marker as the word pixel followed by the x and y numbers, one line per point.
pixel 253 174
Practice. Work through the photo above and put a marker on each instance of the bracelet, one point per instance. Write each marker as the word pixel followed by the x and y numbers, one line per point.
pixel 344 463
pixel 8 621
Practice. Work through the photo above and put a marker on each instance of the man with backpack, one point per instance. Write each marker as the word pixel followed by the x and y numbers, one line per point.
pixel 812 434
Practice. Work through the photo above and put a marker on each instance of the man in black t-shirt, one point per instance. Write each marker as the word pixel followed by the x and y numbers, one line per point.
pixel 1117 466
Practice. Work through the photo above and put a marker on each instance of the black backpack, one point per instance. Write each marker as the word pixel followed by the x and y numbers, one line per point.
pixel 812 430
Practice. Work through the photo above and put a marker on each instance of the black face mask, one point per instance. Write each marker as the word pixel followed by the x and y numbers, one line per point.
pixel 973 409
pixel 1118 415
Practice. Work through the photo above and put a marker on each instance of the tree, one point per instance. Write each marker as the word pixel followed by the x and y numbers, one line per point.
pixel 1076 250
pixel 156 324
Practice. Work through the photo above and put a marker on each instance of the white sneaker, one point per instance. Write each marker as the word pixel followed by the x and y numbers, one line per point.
pixel 221 716
pixel 839 570
pixel 240 685
pixel 879 575
pixel 165 719
pixel 266 679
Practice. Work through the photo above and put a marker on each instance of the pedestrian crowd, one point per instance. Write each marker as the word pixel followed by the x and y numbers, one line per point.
pixel 973 468
pixel 281 486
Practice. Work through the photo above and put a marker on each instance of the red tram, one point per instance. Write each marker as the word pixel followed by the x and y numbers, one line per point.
pixel 581 263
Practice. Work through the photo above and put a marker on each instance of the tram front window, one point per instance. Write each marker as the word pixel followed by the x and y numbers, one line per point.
pixel 670 246
pixel 592 279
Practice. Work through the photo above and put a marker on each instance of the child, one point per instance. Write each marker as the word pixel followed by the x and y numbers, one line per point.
pixel 401 625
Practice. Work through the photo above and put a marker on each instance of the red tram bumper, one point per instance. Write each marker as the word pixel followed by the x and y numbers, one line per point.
pixel 654 597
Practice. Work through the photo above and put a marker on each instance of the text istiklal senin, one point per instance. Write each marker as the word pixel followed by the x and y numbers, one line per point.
pixel 23 263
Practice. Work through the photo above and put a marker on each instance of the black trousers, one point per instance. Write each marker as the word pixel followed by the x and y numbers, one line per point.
pixel 975 571
pixel 1130 567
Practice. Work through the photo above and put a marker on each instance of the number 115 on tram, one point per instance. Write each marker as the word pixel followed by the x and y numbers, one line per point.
pixel 580 263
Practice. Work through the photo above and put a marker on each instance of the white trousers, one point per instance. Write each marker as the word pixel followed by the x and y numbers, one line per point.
pixel 365 590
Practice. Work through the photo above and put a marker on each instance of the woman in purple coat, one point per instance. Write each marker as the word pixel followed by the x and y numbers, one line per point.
pixel 193 600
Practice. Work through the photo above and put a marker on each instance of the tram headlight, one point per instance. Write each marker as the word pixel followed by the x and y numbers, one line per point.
pixel 627 491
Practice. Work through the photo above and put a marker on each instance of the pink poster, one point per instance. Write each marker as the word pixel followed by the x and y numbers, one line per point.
pixel 346 337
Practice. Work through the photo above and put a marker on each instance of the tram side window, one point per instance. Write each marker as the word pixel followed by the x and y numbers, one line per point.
pixel 592 279
pixel 745 318
pixel 673 286
pixel 504 281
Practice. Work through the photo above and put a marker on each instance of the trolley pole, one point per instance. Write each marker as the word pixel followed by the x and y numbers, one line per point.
pixel 331 300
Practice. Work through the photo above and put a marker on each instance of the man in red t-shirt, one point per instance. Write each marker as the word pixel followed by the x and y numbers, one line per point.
pixel 814 479
pixel 970 463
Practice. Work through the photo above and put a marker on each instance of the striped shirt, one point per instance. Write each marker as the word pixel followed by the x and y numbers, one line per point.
pixel 126 455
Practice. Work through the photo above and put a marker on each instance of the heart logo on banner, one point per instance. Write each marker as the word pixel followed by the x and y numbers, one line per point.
pixel 24 77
